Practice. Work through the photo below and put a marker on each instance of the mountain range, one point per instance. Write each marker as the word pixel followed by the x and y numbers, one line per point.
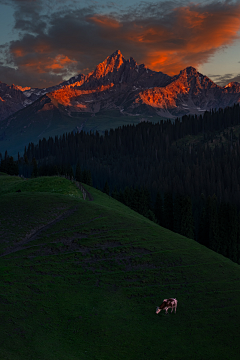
pixel 123 85
pixel 117 89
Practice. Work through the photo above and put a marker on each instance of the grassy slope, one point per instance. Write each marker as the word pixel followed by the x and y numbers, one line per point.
pixel 87 285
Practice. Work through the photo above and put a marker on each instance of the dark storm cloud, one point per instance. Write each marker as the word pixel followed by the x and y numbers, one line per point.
pixel 14 76
pixel 225 79
pixel 166 36
pixel 28 17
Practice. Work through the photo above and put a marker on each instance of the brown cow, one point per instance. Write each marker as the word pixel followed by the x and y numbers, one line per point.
pixel 167 303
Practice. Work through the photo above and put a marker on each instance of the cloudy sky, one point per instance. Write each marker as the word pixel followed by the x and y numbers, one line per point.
pixel 43 42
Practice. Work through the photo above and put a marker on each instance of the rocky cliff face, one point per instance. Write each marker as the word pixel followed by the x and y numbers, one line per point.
pixel 14 97
pixel 114 84
pixel 11 100
pixel 122 84
pixel 188 92
pixel 130 88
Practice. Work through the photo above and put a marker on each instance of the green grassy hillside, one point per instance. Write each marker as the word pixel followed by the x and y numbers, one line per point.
pixel 80 280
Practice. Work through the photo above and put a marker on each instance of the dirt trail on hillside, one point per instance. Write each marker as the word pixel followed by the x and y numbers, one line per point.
pixel 90 198
pixel 35 233
pixel 88 194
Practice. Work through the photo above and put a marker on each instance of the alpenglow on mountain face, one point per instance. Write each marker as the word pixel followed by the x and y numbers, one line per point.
pixel 123 85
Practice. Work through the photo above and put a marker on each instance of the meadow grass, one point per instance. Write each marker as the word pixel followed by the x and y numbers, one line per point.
pixel 52 184
pixel 82 279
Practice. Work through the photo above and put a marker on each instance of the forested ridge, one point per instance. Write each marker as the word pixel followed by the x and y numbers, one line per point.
pixel 190 187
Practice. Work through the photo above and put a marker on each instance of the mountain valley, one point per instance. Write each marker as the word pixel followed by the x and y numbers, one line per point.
pixel 117 92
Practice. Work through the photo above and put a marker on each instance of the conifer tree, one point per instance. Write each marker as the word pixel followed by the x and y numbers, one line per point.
pixel 120 196
pixel 55 170
pixel 223 216
pixel 88 178
pixel 115 194
pixel 70 172
pixel 158 209
pixel 84 176
pixel 233 232
pixel 35 168
pixel 127 196
pixel 207 220
pixel 146 202
pixel 238 240
pixel 10 166
pixel 106 189
pixel 187 219
pixel 78 172
pixel 178 209
pixel 151 216
pixel 136 200
pixel 26 159
pixel 213 224
pixel 168 211
pixel 202 232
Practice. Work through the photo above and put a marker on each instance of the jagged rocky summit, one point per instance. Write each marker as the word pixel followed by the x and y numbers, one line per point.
pixel 123 85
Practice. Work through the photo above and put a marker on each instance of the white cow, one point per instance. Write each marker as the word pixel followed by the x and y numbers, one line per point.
pixel 167 303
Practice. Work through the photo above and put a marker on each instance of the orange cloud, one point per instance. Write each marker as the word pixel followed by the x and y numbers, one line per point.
pixel 45 64
pixel 105 21
pixel 164 38
pixel 150 35
pixel 35 65
pixel 18 52
pixel 190 39
pixel 42 48
pixel 191 18
pixel 60 62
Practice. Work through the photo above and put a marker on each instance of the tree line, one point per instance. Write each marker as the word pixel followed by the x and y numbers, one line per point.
pixel 151 155
pixel 219 222
pixel 148 164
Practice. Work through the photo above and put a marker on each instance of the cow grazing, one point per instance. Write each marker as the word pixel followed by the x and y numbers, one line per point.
pixel 167 303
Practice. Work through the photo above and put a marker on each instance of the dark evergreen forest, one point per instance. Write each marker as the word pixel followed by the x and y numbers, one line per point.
pixel 184 175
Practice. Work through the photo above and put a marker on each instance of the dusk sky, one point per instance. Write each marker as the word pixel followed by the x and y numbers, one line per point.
pixel 44 42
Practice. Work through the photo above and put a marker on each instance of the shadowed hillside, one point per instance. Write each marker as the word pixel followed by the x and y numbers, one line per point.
pixel 81 280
